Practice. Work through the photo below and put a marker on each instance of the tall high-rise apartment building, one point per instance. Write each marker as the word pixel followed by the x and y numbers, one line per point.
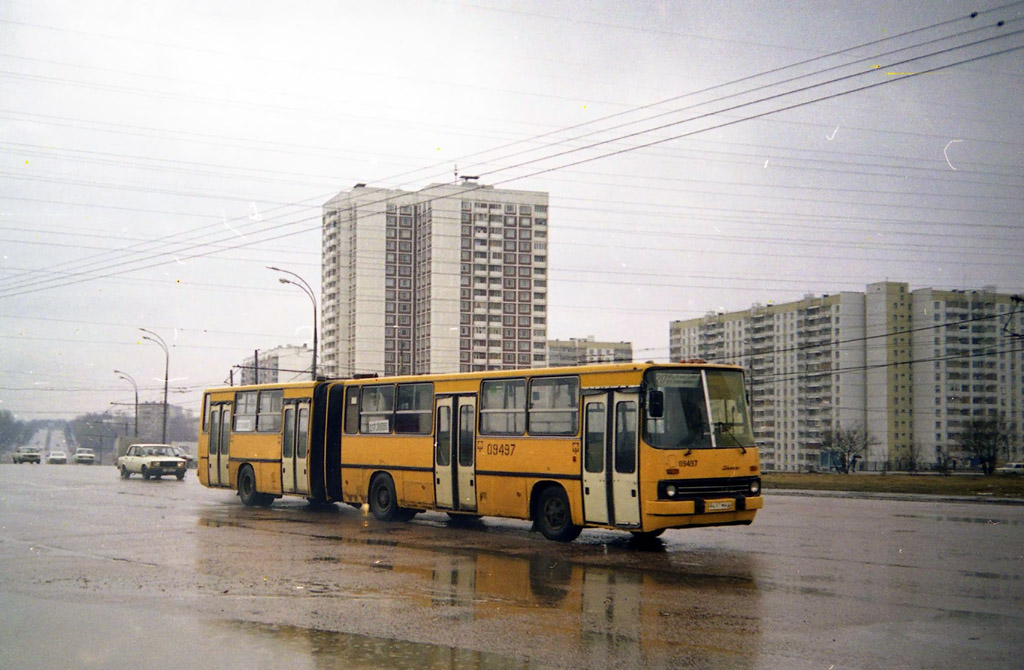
pixel 446 279
pixel 912 368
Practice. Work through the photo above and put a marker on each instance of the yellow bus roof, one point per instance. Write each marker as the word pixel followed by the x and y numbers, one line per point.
pixel 594 368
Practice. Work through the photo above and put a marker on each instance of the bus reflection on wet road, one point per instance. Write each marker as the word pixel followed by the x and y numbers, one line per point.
pixel 493 587
pixel 153 573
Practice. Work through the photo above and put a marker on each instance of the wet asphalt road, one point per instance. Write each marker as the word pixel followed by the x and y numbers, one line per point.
pixel 100 572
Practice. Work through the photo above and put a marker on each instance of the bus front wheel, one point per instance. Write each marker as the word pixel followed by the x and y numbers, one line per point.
pixel 554 516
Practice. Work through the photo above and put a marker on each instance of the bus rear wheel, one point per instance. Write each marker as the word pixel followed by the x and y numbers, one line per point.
pixel 247 489
pixel 384 501
pixel 554 516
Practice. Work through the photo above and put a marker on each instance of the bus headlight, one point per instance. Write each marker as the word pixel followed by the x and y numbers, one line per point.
pixel 755 486
pixel 670 491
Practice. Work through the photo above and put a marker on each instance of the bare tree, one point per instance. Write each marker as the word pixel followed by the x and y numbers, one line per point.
pixel 847 445
pixel 910 458
pixel 983 438
pixel 944 461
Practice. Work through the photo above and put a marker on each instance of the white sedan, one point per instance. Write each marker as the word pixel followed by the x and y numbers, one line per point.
pixel 151 460
pixel 84 456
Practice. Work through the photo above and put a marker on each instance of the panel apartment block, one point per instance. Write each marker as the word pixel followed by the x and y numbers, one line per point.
pixel 969 364
pixel 449 278
pixel 910 367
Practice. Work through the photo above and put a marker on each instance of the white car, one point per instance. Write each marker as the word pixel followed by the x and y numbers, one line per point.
pixel 57 458
pixel 151 460
pixel 27 455
pixel 84 456
pixel 1011 469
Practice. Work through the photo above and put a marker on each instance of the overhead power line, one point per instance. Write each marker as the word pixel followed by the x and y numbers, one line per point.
pixel 192 248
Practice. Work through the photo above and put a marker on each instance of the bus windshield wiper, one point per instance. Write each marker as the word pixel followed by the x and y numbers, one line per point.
pixel 726 429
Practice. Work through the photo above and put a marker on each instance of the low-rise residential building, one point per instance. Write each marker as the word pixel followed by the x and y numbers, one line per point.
pixel 583 350
pixel 277 365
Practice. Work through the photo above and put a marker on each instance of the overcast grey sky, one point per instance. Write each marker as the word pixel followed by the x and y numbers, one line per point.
pixel 156 156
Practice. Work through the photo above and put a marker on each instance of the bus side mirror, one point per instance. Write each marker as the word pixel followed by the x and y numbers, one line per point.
pixel 655 404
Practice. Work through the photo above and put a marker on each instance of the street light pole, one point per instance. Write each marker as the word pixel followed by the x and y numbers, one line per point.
pixel 302 284
pixel 153 337
pixel 128 377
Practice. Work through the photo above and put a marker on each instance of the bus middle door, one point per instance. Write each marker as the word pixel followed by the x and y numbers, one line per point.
pixel 295 449
pixel 455 453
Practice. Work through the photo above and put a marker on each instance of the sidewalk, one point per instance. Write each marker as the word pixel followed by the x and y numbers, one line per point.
pixel 915 497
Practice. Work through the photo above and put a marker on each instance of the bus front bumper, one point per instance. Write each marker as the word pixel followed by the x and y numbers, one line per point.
pixel 704 506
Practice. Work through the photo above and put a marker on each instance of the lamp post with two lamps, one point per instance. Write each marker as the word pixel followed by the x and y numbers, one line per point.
pixel 302 284
pixel 153 337
pixel 128 378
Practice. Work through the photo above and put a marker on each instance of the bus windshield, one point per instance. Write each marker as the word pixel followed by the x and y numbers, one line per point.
pixel 694 419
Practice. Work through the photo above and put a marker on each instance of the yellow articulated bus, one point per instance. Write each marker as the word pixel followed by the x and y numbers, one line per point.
pixel 635 447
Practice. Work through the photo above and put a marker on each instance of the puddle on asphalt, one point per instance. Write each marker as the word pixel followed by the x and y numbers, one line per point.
pixel 111 635
pixel 359 652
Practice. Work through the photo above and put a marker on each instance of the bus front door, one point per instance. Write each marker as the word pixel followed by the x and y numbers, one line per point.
pixel 611 483
pixel 220 437
pixel 455 453
pixel 295 449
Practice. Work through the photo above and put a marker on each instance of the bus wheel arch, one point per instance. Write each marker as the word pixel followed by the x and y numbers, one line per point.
pixel 552 513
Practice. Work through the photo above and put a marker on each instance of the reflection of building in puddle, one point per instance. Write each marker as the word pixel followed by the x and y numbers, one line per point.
pixel 661 613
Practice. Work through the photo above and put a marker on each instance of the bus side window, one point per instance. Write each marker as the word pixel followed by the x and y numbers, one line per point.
pixel 206 413
pixel 414 408
pixel 268 419
pixel 376 409
pixel 352 410
pixel 245 412
pixel 554 406
pixel 503 407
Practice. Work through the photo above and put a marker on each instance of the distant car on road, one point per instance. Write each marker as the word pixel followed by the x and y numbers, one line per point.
pixel 57 458
pixel 151 460
pixel 27 455
pixel 1011 469
pixel 190 460
pixel 84 456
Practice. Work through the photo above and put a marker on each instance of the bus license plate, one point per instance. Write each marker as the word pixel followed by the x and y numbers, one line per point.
pixel 721 506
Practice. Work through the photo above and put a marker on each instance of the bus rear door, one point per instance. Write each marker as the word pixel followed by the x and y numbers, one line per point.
pixel 611 484
pixel 220 438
